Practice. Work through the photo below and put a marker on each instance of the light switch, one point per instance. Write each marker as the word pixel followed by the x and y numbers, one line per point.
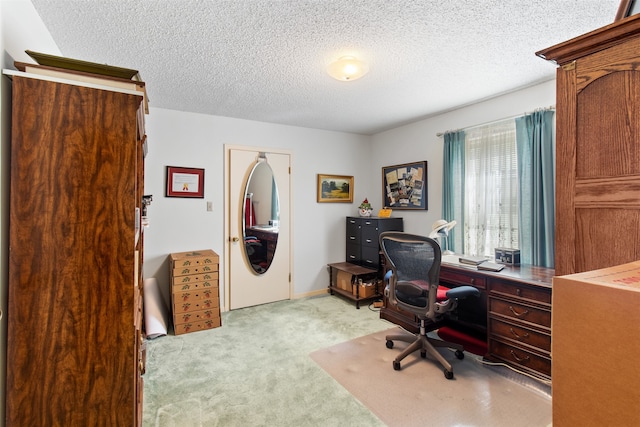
pixel 209 206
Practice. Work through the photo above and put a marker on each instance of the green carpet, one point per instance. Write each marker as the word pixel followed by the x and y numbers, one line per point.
pixel 255 369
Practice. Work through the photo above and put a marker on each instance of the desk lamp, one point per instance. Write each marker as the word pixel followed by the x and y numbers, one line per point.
pixel 440 230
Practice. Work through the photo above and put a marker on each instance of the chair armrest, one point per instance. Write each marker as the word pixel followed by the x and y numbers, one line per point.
pixel 388 275
pixel 462 292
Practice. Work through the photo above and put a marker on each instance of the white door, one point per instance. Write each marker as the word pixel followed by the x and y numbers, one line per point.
pixel 245 287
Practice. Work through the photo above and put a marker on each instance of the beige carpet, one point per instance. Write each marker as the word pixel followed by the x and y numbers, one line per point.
pixel 420 395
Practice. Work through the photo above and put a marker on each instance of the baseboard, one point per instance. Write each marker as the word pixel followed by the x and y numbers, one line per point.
pixel 316 293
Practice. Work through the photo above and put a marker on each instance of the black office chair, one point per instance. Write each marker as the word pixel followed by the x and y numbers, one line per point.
pixel 412 285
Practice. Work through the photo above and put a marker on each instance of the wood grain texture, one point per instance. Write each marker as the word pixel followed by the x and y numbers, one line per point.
pixel 565 170
pixel 610 192
pixel 621 57
pixel 71 341
pixel 592 42
pixel 607 126
pixel 610 236
pixel 598 148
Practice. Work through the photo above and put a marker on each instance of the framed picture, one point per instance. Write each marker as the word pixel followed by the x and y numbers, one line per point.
pixel 335 188
pixel 627 8
pixel 405 186
pixel 185 182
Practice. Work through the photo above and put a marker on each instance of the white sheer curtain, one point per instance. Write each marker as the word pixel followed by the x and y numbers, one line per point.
pixel 491 193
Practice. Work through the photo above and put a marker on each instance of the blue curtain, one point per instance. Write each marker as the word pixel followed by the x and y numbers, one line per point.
pixel 453 187
pixel 536 172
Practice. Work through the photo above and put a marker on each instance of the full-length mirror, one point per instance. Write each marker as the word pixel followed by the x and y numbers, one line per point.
pixel 261 216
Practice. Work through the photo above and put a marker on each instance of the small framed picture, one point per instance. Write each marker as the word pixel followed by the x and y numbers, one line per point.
pixel 185 182
pixel 405 186
pixel 627 8
pixel 335 188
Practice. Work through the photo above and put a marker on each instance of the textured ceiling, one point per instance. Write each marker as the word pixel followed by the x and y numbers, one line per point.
pixel 266 60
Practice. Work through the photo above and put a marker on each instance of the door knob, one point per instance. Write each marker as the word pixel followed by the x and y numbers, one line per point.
pixel 235 239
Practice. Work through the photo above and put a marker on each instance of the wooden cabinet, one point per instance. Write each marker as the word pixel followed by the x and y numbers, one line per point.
pixel 345 277
pixel 513 313
pixel 75 350
pixel 519 322
pixel 195 292
pixel 598 147
pixel 363 247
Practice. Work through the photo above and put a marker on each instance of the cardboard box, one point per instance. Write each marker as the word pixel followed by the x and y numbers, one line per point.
pixel 184 328
pixel 191 295
pixel 595 342
pixel 195 278
pixel 365 290
pixel 194 269
pixel 343 280
pixel 188 306
pixel 193 282
pixel 196 316
pixel 194 258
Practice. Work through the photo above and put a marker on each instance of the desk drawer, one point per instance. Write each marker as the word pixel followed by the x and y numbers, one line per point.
pixel 189 306
pixel 520 312
pixel 519 357
pixel 195 269
pixel 520 291
pixel 183 328
pixel 460 278
pixel 199 294
pixel 196 316
pixel 510 331
pixel 196 281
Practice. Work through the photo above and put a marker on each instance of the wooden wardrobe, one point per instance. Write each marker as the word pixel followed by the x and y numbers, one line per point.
pixel 75 344
pixel 598 147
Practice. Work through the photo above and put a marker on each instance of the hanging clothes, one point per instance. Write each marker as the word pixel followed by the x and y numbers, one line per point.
pixel 249 213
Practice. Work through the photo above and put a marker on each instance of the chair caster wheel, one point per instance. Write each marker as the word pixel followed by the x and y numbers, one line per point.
pixel 389 344
pixel 459 354
pixel 396 366
pixel 448 374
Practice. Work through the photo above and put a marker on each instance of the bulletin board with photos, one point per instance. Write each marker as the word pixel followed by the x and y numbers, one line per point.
pixel 405 186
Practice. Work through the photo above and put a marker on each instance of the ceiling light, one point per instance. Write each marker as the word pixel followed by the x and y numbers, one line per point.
pixel 347 68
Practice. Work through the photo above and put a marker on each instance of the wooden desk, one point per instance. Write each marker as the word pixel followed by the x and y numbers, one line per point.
pixel 513 313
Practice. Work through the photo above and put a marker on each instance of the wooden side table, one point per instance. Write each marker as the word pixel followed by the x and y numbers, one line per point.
pixel 343 275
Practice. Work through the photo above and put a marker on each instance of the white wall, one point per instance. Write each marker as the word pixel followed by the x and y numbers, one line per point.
pixel 197 140
pixel 419 141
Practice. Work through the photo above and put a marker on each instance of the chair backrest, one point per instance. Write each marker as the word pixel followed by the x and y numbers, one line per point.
pixel 415 262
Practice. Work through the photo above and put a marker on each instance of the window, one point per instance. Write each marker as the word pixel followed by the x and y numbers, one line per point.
pixel 491 188
pixel 498 183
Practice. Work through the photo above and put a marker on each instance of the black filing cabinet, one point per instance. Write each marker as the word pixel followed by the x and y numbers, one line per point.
pixel 362 238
